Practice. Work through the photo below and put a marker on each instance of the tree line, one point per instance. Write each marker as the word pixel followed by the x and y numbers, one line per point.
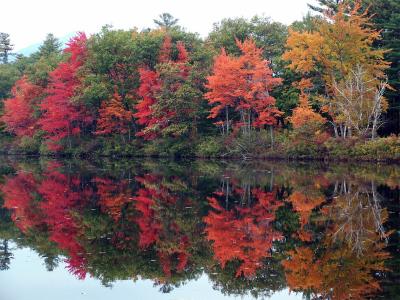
pixel 251 87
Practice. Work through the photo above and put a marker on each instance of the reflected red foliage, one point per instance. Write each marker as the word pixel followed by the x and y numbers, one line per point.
pixel 18 197
pixel 243 233
pixel 60 198
pixel 158 229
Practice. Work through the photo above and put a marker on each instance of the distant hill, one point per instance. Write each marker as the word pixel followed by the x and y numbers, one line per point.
pixel 35 47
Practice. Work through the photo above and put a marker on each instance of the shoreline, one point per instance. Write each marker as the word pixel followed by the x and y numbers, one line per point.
pixel 327 160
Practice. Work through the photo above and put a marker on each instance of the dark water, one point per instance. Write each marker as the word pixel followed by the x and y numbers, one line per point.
pixel 198 230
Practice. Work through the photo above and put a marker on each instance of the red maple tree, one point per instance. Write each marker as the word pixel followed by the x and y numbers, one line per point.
pixel 19 110
pixel 149 86
pixel 62 117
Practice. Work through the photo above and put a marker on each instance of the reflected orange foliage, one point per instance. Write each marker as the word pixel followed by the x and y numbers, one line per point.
pixel 113 197
pixel 337 274
pixel 343 264
pixel 304 204
pixel 243 233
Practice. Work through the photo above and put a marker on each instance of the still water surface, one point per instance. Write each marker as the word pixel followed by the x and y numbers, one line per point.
pixel 198 230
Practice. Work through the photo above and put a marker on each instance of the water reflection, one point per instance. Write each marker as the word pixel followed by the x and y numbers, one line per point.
pixel 258 228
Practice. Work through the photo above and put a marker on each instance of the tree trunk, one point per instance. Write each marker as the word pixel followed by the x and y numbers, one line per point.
pixel 335 130
pixel 271 132
pixel 69 138
pixel 227 120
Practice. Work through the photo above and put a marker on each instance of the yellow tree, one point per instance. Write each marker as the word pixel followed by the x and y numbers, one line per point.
pixel 340 45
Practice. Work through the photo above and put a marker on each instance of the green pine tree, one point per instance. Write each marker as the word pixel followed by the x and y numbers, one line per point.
pixel 5 47
pixel 51 45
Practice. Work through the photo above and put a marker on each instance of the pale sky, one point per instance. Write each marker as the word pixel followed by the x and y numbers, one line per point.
pixel 28 279
pixel 28 21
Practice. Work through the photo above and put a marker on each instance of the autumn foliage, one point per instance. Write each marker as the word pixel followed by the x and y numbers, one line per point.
pixel 307 124
pixel 61 116
pixel 161 92
pixel 243 233
pixel 319 235
pixel 340 46
pixel 343 262
pixel 114 118
pixel 113 198
pixel 160 108
pixel 157 229
pixel 242 86
pixel 18 196
pixel 149 85
pixel 60 199
pixel 19 111
pixel 340 42
pixel 303 115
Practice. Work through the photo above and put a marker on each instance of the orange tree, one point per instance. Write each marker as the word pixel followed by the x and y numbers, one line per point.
pixel 114 117
pixel 240 90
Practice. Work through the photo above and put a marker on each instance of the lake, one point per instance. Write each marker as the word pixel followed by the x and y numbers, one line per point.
pixel 162 229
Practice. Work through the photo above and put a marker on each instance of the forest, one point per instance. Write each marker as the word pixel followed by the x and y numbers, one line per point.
pixel 326 86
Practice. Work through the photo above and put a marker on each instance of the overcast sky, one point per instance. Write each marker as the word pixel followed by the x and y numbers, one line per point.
pixel 28 21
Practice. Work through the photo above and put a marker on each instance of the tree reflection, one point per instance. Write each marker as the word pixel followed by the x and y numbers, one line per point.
pixel 349 256
pixel 5 255
pixel 357 213
pixel 18 193
pixel 61 196
pixel 251 228
pixel 245 232
pixel 164 224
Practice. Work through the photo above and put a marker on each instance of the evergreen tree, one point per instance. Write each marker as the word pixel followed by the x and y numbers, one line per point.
pixel 5 255
pixel 386 17
pixel 166 21
pixel 326 4
pixel 51 45
pixel 5 47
